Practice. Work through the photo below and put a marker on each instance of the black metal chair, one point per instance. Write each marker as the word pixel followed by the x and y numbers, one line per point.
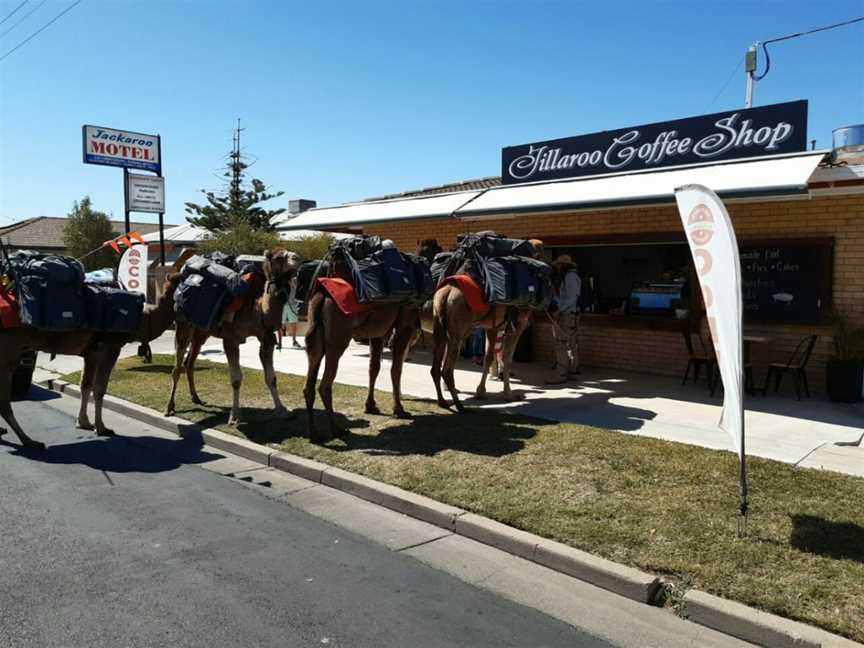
pixel 797 366
pixel 699 356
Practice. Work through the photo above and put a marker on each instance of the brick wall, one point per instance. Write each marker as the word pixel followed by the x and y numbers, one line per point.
pixel 663 352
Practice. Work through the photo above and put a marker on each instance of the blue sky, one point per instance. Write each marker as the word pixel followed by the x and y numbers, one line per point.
pixel 346 100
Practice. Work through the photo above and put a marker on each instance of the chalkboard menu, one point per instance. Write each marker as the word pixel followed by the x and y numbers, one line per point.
pixel 787 281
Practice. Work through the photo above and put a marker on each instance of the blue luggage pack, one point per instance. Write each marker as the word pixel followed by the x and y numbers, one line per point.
pixel 518 281
pixel 50 293
pixel 200 300
pixel 112 310
pixel 384 278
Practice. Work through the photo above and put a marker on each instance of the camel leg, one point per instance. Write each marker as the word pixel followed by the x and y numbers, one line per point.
pixel 265 354
pixel 6 410
pixel 189 365
pixel 403 340
pixel 510 342
pixel 86 386
pixel 488 359
pixel 102 374
pixel 314 356
pixel 181 342
pixel 449 366
pixel 332 356
pixel 439 349
pixel 376 349
pixel 232 352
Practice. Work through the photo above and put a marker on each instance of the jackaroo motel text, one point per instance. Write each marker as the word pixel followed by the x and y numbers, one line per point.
pixel 607 199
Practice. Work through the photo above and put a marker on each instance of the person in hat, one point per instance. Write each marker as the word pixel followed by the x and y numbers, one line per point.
pixel 568 288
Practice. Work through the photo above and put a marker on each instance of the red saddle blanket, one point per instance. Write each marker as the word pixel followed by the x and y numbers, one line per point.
pixel 343 294
pixel 473 293
pixel 9 313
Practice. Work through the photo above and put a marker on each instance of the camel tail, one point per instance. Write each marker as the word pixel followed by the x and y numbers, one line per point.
pixel 316 304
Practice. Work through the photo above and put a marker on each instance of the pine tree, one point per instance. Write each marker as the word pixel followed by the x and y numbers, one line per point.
pixel 239 203
pixel 85 231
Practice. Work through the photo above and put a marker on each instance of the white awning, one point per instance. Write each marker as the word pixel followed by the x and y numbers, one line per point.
pixel 356 214
pixel 777 177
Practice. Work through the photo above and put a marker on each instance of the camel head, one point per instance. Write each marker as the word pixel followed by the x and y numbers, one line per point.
pixel 428 248
pixel 537 245
pixel 280 266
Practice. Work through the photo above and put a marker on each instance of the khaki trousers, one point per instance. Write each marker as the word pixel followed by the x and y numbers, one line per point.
pixel 567 343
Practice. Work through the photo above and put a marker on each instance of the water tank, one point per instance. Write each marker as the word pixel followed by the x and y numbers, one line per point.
pixel 849 144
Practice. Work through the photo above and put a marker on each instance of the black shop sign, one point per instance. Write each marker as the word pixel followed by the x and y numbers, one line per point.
pixel 787 282
pixel 753 132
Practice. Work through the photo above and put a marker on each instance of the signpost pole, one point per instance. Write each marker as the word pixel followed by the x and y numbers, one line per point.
pixel 126 198
pixel 161 214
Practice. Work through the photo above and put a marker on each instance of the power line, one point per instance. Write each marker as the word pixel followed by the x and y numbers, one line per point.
pixel 23 18
pixel 725 85
pixel 42 28
pixel 13 11
pixel 764 44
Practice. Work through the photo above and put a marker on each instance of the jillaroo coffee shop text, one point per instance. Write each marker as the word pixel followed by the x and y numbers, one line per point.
pixel 745 133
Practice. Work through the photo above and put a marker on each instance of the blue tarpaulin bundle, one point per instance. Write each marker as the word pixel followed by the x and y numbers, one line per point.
pixel 209 283
pixel 381 274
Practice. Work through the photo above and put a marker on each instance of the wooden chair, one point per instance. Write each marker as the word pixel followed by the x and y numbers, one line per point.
pixel 699 356
pixel 797 365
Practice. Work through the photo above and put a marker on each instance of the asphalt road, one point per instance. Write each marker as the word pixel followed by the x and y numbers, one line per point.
pixel 109 543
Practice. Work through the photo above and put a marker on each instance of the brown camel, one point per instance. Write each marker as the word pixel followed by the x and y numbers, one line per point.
pixel 260 316
pixel 330 332
pixel 452 321
pixel 99 350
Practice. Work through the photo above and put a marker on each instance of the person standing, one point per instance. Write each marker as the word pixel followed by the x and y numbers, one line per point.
pixel 569 288
pixel 290 316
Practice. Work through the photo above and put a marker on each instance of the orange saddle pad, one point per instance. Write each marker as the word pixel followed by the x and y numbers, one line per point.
pixel 343 294
pixel 473 293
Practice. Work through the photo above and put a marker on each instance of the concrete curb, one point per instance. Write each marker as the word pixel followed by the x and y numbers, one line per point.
pixel 729 617
pixel 755 626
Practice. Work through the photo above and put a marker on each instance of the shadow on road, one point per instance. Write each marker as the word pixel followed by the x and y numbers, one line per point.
pixel 144 454
pixel 37 394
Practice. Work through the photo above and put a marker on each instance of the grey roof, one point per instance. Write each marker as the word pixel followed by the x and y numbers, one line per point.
pixel 46 232
pixel 463 185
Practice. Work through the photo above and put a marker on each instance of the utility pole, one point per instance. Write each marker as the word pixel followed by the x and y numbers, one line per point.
pixel 750 69
pixel 237 167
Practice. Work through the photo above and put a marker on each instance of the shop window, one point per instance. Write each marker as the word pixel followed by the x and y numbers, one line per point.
pixel 640 279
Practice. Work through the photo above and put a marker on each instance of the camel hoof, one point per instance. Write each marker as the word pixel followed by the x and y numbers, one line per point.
pixel 459 407
pixel 106 432
pixel 284 413
pixel 444 404
pixel 402 414
pixel 198 401
pixel 170 411
pixel 372 408
pixel 30 444
pixel 233 421
pixel 86 425
pixel 481 395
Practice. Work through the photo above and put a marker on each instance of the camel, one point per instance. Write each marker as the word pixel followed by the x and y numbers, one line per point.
pixel 331 331
pixel 451 322
pixel 99 350
pixel 260 316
